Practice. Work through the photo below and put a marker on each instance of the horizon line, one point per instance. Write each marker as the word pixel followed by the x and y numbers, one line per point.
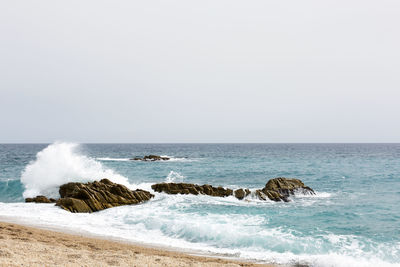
pixel 197 143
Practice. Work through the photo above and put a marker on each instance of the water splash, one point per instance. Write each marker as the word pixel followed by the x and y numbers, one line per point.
pixel 60 163
pixel 174 177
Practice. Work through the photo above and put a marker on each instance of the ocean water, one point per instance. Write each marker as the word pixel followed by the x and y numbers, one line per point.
pixel 353 220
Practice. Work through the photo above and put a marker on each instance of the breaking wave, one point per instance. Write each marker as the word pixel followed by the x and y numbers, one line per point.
pixel 61 163
pixel 174 177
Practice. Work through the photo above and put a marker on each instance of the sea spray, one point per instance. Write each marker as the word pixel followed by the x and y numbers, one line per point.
pixel 61 163
pixel 174 177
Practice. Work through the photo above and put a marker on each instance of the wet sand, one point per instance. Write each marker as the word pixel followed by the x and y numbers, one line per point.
pixel 28 246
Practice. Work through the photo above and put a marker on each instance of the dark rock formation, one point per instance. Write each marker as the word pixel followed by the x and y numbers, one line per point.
pixel 277 189
pixel 95 196
pixel 240 193
pixel 183 188
pixel 151 158
pixel 269 194
pixel 281 188
pixel 288 186
pixel 40 199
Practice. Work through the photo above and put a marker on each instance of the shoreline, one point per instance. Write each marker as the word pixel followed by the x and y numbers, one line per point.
pixel 34 246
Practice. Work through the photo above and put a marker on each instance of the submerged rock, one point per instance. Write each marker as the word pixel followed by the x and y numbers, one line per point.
pixel 40 199
pixel 151 158
pixel 95 196
pixel 194 189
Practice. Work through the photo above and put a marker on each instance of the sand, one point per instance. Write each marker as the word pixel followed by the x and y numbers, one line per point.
pixel 28 246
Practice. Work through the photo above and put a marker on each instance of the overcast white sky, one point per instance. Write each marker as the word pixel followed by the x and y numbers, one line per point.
pixel 200 71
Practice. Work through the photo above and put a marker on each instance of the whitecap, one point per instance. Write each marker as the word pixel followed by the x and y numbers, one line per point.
pixel 178 159
pixel 174 177
pixel 61 163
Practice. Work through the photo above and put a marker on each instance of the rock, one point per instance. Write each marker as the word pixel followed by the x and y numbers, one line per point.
pixel 95 196
pixel 281 188
pixel 277 189
pixel 287 186
pixel 151 158
pixel 269 194
pixel 240 193
pixel 75 205
pixel 154 158
pixel 194 189
pixel 40 199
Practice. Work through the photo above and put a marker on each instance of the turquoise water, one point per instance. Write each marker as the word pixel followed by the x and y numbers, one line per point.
pixel 354 219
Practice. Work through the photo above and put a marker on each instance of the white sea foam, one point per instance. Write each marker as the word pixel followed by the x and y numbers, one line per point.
pixel 177 159
pixel 317 195
pixel 61 163
pixel 162 222
pixel 174 177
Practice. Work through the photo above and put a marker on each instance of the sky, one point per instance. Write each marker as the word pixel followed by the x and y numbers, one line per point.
pixel 199 71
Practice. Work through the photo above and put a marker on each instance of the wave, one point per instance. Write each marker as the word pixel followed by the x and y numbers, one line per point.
pixel 163 222
pixel 174 177
pixel 178 159
pixel 299 194
pixel 61 163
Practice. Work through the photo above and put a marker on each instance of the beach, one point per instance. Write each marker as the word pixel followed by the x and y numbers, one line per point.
pixel 28 246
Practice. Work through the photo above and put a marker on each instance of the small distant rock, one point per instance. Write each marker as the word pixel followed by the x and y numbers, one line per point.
pixel 40 199
pixel 151 158
pixel 98 195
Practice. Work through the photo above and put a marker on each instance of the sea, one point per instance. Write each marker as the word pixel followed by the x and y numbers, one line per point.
pixel 352 220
